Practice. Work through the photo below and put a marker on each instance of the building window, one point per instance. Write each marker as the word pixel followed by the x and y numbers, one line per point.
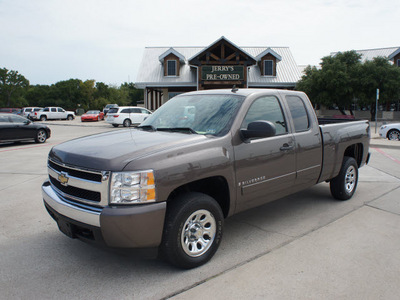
pixel 268 67
pixel 398 62
pixel 171 67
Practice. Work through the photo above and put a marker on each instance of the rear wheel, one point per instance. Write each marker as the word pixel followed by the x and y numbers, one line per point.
pixel 41 136
pixel 393 135
pixel 344 185
pixel 70 117
pixel 193 230
pixel 127 123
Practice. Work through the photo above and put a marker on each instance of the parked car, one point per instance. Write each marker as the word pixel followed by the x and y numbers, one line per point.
pixel 201 157
pixel 53 113
pixel 390 131
pixel 107 108
pixel 127 115
pixel 92 115
pixel 16 128
pixel 27 110
pixel 10 110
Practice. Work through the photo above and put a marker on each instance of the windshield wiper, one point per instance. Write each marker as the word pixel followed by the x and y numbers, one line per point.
pixel 147 127
pixel 177 129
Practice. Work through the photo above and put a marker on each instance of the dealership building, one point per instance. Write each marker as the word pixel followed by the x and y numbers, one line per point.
pixel 168 71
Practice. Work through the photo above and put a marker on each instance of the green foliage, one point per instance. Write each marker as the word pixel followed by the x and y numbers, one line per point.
pixel 12 85
pixel 343 78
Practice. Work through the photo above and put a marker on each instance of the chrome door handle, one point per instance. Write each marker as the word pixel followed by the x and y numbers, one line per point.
pixel 286 147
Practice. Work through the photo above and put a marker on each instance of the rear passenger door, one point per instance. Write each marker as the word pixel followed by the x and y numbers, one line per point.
pixel 265 167
pixel 307 141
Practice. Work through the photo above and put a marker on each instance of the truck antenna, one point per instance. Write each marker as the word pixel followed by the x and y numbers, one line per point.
pixel 234 89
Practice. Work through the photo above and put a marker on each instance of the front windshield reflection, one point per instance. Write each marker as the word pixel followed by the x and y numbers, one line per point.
pixel 201 114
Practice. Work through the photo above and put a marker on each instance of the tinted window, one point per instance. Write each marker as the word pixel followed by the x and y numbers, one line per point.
pixel 125 111
pixel 46 109
pixel 298 112
pixel 266 109
pixel 113 110
pixel 60 109
pixel 136 110
pixel 53 109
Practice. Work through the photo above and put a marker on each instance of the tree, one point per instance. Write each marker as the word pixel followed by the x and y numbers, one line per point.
pixel 135 95
pixel 11 82
pixel 380 74
pixel 336 82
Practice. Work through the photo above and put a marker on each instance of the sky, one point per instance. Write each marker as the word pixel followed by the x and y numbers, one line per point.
pixel 53 40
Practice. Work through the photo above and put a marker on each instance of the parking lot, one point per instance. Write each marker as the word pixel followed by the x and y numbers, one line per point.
pixel 305 246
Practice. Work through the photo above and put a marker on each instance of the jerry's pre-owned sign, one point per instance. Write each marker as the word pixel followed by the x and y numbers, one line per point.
pixel 222 73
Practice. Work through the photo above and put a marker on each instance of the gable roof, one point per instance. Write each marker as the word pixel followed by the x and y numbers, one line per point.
pixel 222 39
pixel 268 51
pixel 174 52
pixel 370 54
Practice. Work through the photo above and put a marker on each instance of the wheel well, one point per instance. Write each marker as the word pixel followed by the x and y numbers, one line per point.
pixel 216 187
pixel 356 151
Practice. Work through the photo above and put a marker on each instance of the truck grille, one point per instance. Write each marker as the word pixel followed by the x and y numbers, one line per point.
pixel 79 185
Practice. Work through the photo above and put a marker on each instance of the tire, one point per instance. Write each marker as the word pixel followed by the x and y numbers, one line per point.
pixel 70 117
pixel 393 135
pixel 192 231
pixel 41 136
pixel 127 123
pixel 115 125
pixel 43 118
pixel 344 185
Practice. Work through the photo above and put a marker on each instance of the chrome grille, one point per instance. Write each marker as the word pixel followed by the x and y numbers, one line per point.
pixel 83 186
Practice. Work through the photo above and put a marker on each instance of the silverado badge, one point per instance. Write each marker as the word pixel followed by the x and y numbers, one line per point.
pixel 63 178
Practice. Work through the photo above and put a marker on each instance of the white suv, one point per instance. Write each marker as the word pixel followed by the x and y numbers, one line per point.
pixel 127 115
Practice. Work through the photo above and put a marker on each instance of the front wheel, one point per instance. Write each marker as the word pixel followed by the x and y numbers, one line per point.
pixel 393 135
pixel 193 230
pixel 70 117
pixel 41 136
pixel 344 185
pixel 43 118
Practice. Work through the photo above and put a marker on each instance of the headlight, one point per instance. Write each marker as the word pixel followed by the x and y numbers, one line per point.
pixel 132 187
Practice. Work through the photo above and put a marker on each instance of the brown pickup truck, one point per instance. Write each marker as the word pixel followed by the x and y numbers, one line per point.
pixel 201 157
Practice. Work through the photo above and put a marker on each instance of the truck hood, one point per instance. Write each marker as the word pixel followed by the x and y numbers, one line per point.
pixel 112 151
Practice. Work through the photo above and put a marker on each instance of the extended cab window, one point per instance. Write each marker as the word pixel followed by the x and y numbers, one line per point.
pixel 299 113
pixel 266 109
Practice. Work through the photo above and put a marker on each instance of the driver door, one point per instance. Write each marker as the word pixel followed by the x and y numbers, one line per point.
pixel 265 167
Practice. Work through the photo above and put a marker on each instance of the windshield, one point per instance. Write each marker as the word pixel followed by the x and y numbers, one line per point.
pixel 201 114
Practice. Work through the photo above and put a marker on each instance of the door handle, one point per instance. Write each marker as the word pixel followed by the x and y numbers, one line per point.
pixel 286 147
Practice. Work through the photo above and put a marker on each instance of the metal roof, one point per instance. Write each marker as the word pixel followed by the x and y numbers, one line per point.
pixel 369 54
pixel 151 72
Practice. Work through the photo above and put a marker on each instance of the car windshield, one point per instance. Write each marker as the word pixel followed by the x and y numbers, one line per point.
pixel 201 114
pixel 93 112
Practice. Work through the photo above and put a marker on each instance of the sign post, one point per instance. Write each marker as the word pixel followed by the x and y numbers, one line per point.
pixel 376 109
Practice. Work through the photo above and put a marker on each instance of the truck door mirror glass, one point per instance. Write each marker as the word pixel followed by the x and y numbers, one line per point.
pixel 259 129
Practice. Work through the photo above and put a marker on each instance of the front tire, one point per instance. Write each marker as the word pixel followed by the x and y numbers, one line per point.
pixel 344 185
pixel 193 230
pixel 41 136
pixel 393 135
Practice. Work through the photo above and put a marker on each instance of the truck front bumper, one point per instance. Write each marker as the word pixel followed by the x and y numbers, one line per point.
pixel 139 226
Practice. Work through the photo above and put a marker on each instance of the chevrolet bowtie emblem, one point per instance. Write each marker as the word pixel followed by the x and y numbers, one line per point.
pixel 63 178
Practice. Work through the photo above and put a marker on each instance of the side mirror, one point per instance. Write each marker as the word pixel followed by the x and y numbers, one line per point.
pixel 27 122
pixel 259 129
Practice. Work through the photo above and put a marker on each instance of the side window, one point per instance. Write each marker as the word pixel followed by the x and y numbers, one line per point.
pixel 46 109
pixel 299 113
pixel 266 109
pixel 171 67
pixel 60 109
pixel 145 111
pixel 125 111
pixel 136 111
pixel 53 109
